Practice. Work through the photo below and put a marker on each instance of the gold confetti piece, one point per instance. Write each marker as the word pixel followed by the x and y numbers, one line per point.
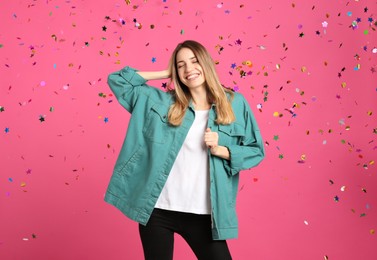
pixel 128 2
pixel 370 113
pixel 344 84
pixel 247 63
pixel 372 231
pixel 278 66
pixel 371 162
pixel 295 105
pixel 276 114
pixel 326 257
pixel 303 69
pixel 348 127
pixel 23 184
pixel 303 157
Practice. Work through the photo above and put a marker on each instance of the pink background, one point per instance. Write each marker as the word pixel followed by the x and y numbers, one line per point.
pixel 310 78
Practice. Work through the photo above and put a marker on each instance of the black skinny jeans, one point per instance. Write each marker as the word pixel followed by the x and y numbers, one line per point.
pixel 157 236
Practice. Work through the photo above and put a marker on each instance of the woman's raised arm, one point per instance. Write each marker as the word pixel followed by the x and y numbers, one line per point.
pixel 151 75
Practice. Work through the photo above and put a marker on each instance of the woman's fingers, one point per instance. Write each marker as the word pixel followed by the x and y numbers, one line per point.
pixel 211 138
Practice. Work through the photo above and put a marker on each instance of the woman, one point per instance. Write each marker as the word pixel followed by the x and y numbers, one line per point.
pixel 178 169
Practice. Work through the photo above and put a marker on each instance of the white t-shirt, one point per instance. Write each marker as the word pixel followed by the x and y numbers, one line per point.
pixel 187 187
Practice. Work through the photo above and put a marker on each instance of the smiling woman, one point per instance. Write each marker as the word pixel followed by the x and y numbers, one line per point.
pixel 196 138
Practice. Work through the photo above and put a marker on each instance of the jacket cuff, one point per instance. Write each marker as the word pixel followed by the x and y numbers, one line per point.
pixel 234 165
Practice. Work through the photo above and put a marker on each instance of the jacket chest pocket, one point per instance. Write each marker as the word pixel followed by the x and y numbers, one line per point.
pixel 232 134
pixel 156 126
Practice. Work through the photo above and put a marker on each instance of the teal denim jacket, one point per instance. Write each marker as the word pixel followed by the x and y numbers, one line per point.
pixel 152 144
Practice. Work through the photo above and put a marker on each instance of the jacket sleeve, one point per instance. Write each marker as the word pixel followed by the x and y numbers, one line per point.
pixel 127 85
pixel 250 152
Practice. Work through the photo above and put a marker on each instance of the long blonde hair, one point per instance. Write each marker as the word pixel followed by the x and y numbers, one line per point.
pixel 216 93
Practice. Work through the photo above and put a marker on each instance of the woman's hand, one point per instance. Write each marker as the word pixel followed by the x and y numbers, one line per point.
pixel 211 139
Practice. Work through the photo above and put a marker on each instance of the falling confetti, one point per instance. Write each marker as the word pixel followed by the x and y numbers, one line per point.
pixel 309 79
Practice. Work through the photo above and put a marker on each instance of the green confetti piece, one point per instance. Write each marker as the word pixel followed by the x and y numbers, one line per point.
pixel 1 45
pixel 51 109
pixel 182 31
pixel 366 32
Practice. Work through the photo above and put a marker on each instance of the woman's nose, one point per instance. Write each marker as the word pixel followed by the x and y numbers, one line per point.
pixel 189 67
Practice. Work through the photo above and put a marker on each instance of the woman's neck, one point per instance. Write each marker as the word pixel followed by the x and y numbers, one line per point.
pixel 201 104
pixel 200 99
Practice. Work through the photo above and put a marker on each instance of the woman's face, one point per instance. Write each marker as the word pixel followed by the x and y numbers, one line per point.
pixel 190 72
